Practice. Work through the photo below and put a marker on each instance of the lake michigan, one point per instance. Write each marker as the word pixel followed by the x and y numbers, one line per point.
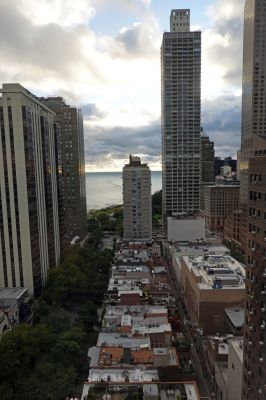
pixel 104 189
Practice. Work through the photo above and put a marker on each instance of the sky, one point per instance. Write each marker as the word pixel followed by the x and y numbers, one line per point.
pixel 104 57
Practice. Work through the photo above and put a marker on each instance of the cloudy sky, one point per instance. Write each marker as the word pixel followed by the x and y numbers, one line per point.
pixel 104 56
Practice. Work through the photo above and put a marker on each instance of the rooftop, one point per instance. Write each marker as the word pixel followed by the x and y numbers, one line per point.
pixel 186 391
pixel 217 272
pixel 124 340
pixel 127 357
pixel 197 249
pixel 122 375
pixel 135 310
pixel 236 316
pixel 237 344
pixel 12 293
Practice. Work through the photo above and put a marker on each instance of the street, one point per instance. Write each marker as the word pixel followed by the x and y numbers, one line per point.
pixel 196 351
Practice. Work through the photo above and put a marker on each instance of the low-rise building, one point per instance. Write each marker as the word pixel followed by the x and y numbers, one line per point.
pixel 235 370
pixel 215 350
pixel 210 284
pixel 139 321
pixel 135 352
pixel 185 228
pixel 192 249
pixel 224 360
pixel 232 227
pixel 234 320
pixel 220 201
pixel 16 299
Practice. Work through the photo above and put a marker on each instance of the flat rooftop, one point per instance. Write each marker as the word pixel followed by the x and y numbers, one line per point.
pixel 135 310
pixel 129 268
pixel 124 340
pixel 217 272
pixel 237 344
pixel 184 391
pixel 236 316
pixel 12 293
pixel 122 375
pixel 197 249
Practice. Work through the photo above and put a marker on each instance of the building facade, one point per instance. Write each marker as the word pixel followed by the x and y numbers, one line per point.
pixel 252 195
pixel 137 221
pixel 73 167
pixel 207 158
pixel 255 327
pixel 29 210
pixel 232 228
pixel 181 114
pixel 210 284
pixel 253 93
pixel 207 165
pixel 220 201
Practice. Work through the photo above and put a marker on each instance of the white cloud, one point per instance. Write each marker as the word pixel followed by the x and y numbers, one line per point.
pixel 222 49
pixel 50 47
pixel 226 10
pixel 63 12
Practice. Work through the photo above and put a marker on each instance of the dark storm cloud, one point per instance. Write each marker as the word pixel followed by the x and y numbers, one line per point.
pixel 221 119
pixel 120 141
pixel 90 110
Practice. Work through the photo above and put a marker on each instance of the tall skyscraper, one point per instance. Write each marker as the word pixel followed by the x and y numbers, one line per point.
pixel 254 85
pixel 181 115
pixel 255 326
pixel 29 210
pixel 252 197
pixel 207 165
pixel 73 167
pixel 207 158
pixel 137 222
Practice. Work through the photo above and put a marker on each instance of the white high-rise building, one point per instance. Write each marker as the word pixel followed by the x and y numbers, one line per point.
pixel 29 216
pixel 137 222
pixel 181 115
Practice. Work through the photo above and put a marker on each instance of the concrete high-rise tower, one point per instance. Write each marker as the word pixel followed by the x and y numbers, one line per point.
pixel 137 222
pixel 29 206
pixel 73 167
pixel 253 86
pixel 252 197
pixel 181 115
pixel 207 165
